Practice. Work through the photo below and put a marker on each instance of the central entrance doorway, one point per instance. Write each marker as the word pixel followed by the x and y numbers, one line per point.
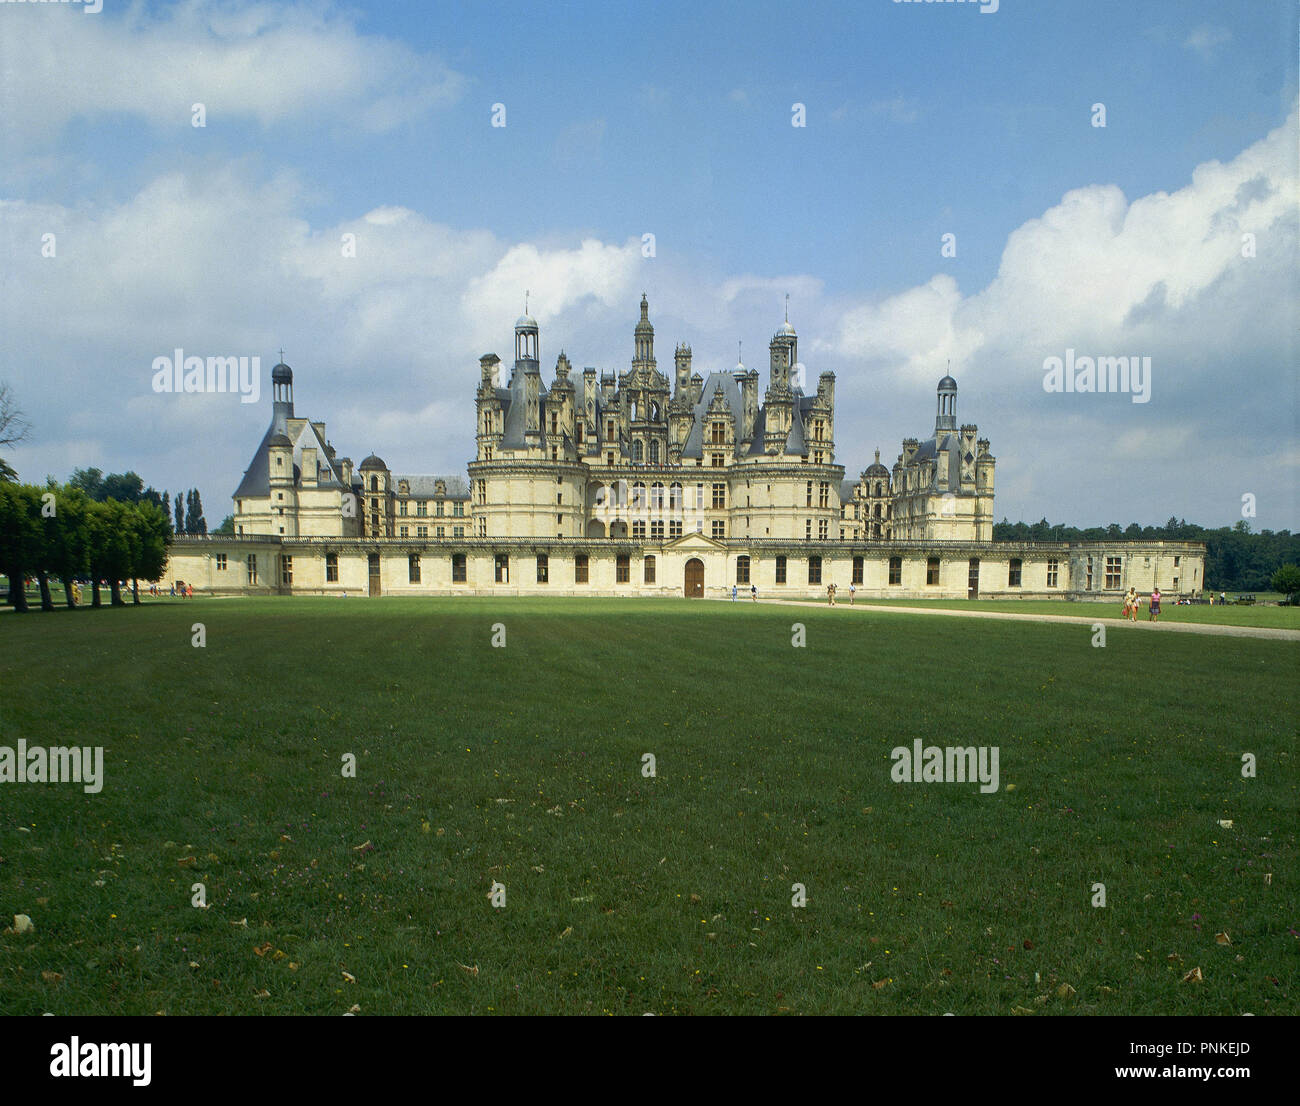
pixel 374 574
pixel 694 578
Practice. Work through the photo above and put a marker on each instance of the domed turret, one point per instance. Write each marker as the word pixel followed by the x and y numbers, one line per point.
pixel 527 345
pixel 946 418
pixel 372 463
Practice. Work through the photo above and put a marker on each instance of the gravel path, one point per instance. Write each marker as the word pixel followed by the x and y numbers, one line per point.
pixel 1119 626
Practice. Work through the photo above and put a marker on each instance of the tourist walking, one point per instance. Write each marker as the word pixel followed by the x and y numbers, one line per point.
pixel 1154 616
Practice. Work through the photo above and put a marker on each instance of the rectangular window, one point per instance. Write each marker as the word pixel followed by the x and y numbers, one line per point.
pixel 401 508
pixel 932 571
pixel 623 569
pixel 438 508
pixel 809 493
pixel 441 531
pixel 807 529
pixel 823 494
pixel 482 528
pixel 895 570
pixel 543 568
pixel 221 562
pixel 780 570
pixel 1088 576
pixel 252 568
pixel 502 568
pixel 413 568
pixel 699 497
pixel 403 531
pixel 421 531
pixel 1053 571
pixel 719 496
pixel 656 531
pixel 814 570
pixel 1013 573
pixel 1177 561
pixel 822 525
pixel 638 531
pixel 719 528
pixel 857 570
pixel 1113 575
pixel 675 528
pixel 459 531
pixel 286 569
pixel 482 493
pixel 331 568
pixel 742 570
pixel 649 570
pixel 458 510
pixel 421 510
pixel 580 568
pixel 458 574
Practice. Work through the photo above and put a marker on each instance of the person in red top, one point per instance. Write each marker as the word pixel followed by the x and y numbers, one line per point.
pixel 1155 605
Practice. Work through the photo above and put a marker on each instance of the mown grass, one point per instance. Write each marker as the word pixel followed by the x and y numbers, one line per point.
pixel 627 894
pixel 1276 618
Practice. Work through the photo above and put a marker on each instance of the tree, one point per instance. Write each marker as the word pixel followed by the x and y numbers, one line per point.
pixel 13 429
pixel 180 515
pixel 90 481
pixel 227 525
pixel 1287 581
pixel 125 487
pixel 20 538
pixel 194 521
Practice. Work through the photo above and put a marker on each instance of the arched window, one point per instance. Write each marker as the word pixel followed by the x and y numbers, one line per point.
pixel 620 493
pixel 657 496
pixel 654 412
pixel 374 483
pixel 638 496
pixel 654 452
pixel 632 412
pixel 675 496
pixel 877 487
pixel 637 450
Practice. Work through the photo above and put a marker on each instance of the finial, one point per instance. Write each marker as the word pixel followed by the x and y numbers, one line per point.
pixel 739 346
pixel 877 456
pixel 787 307
pixel 282 355
pixel 525 301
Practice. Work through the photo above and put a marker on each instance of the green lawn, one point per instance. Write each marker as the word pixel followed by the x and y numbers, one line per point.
pixel 627 894
pixel 1283 618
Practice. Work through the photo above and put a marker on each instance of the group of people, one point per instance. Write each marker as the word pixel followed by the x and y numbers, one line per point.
pixel 1133 601
pixel 832 590
pixel 753 592
pixel 183 590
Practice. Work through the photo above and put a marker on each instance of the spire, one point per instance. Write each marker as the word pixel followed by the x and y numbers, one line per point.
pixel 645 309
pixel 787 307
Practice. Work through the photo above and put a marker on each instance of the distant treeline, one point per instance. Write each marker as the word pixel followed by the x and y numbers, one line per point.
pixel 58 532
pixel 128 487
pixel 1235 559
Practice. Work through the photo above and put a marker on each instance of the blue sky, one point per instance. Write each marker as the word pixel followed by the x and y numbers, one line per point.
pixel 670 119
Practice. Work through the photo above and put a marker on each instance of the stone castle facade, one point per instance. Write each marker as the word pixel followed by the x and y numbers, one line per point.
pixel 640 484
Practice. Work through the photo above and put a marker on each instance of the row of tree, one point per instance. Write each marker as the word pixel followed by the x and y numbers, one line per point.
pixel 1235 559
pixel 59 532
pixel 128 487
